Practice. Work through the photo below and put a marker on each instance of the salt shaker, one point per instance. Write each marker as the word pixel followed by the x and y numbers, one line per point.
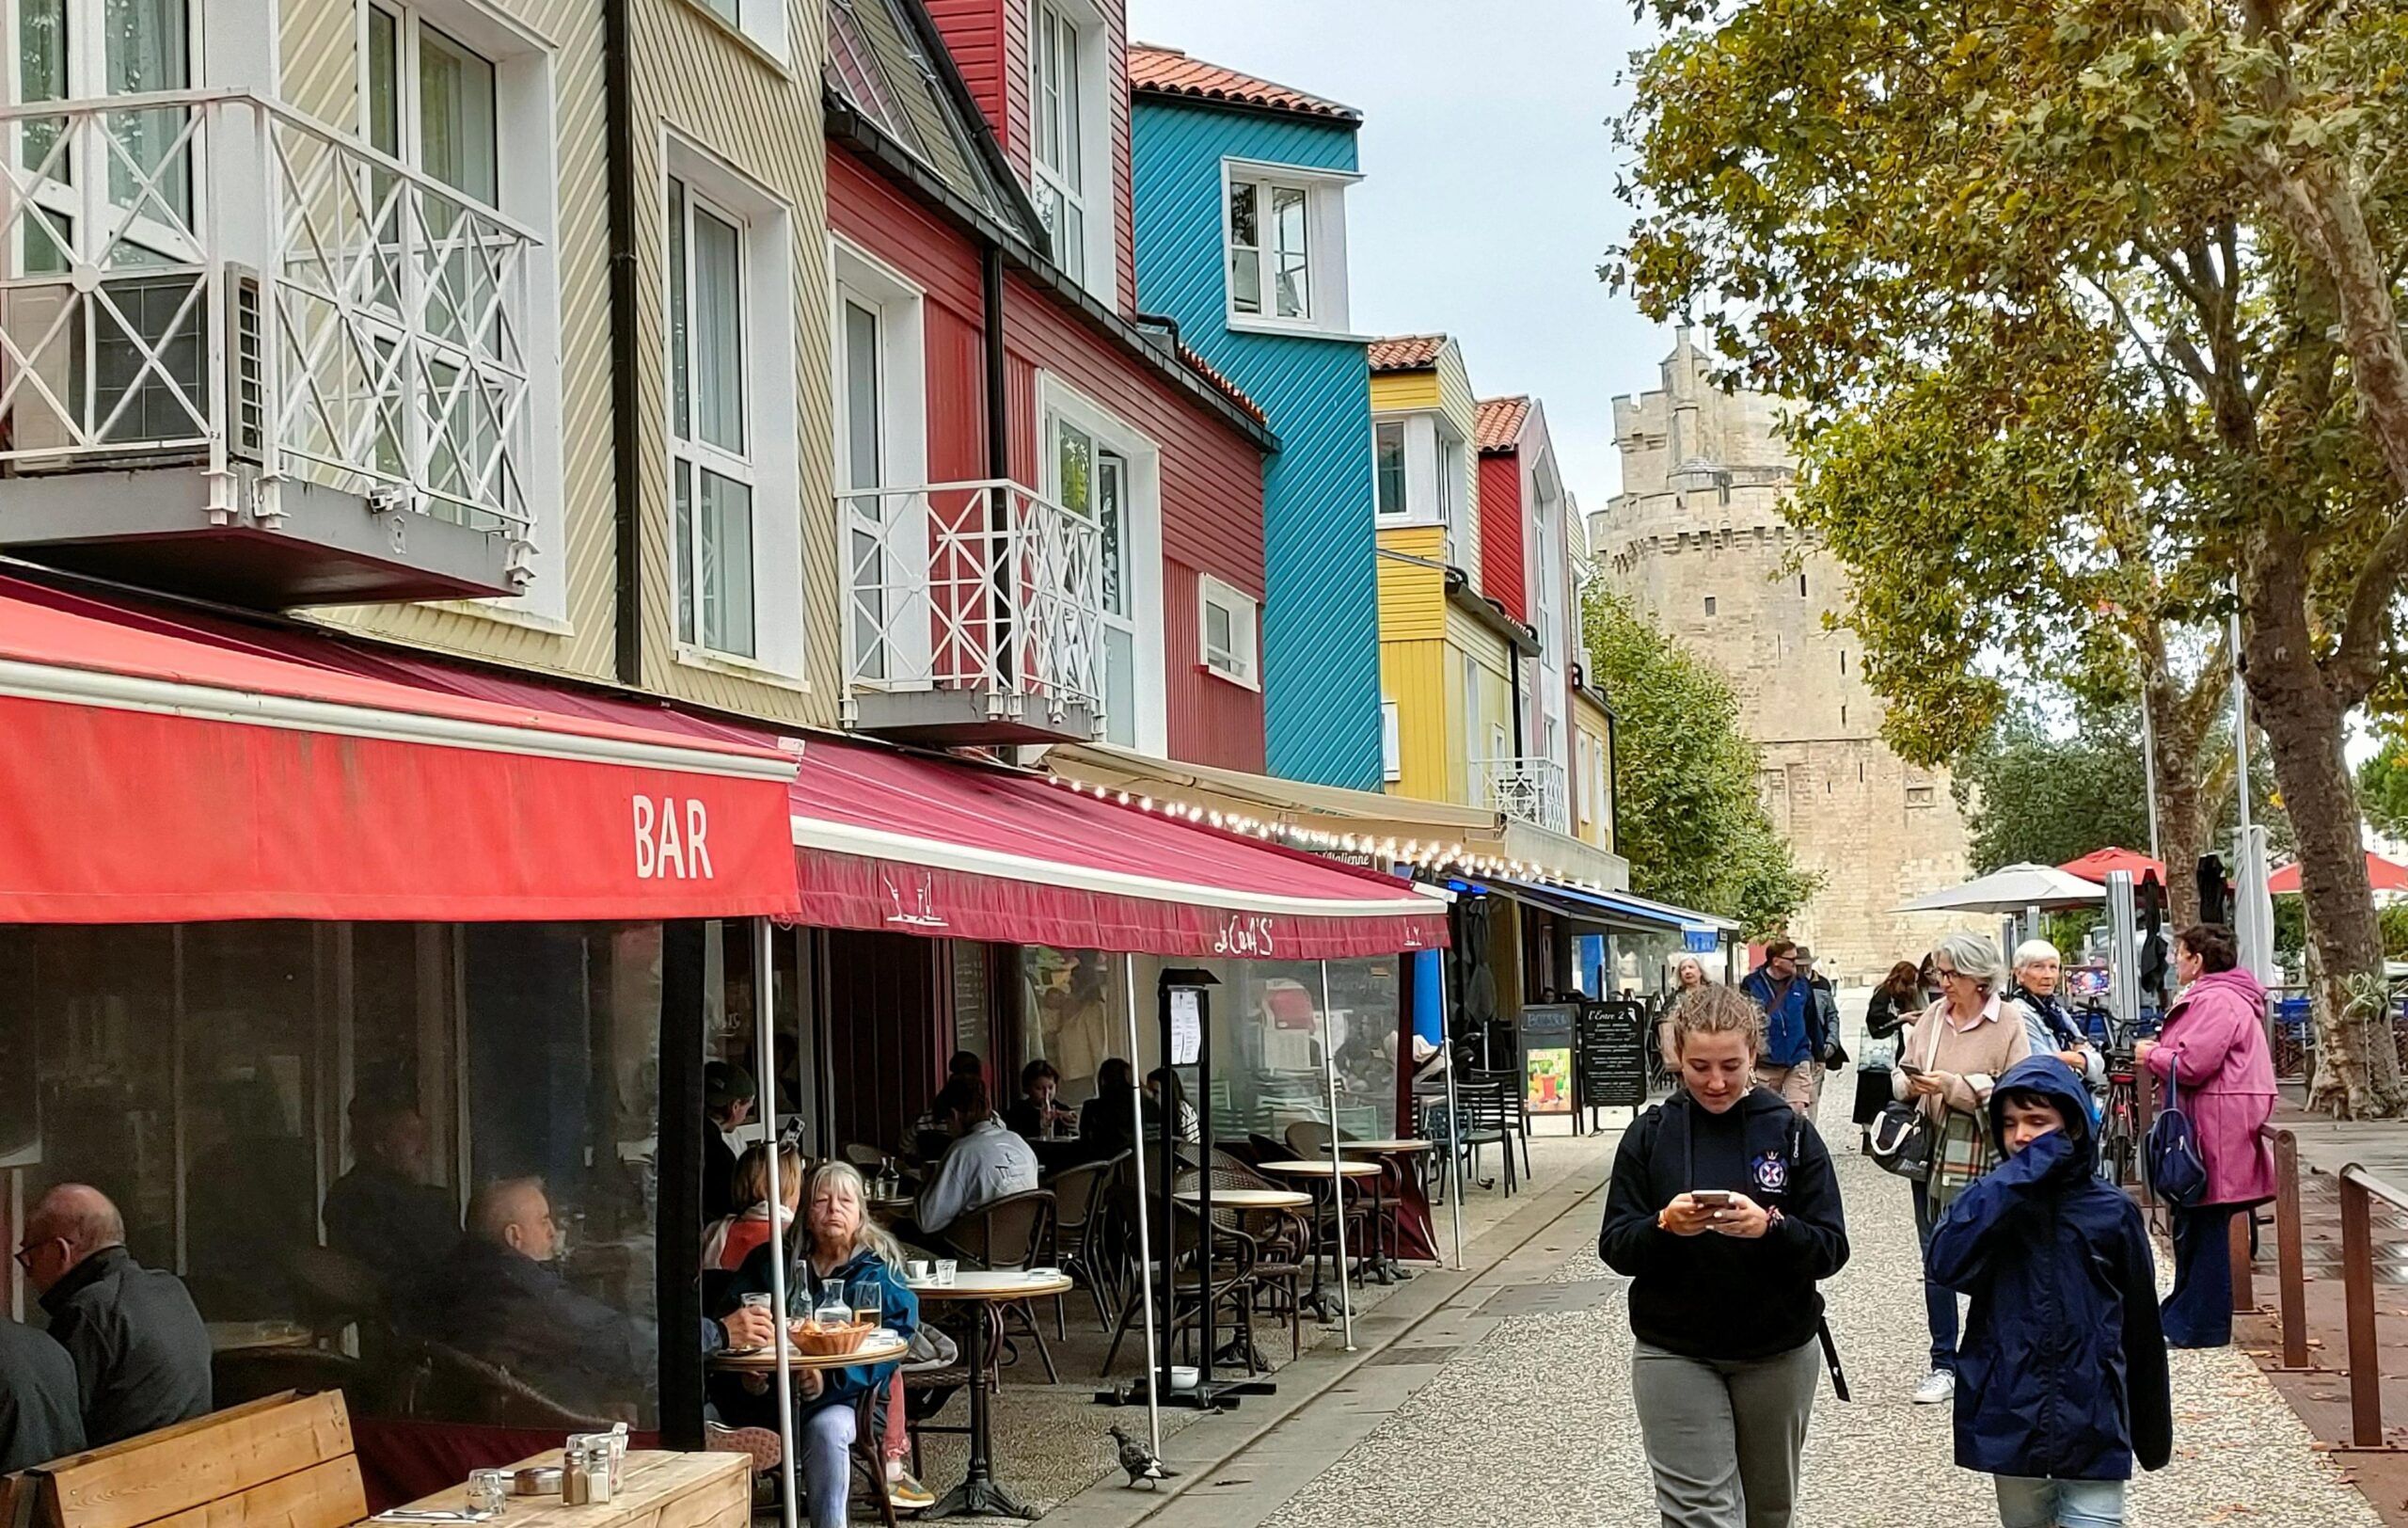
pixel 599 1485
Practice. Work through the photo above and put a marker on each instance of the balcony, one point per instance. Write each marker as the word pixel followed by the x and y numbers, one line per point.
pixel 974 616
pixel 247 357
pixel 1535 791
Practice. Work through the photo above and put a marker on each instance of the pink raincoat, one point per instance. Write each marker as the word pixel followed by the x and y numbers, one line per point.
pixel 2217 1030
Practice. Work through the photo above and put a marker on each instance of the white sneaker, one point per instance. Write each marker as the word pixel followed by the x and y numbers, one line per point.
pixel 1936 1386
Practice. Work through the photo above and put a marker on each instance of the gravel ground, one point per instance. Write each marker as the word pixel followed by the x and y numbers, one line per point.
pixel 1534 1426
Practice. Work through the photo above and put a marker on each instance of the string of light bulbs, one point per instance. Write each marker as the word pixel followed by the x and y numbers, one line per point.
pixel 1434 855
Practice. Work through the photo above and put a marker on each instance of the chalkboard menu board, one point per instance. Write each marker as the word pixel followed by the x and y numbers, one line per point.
pixel 1612 1054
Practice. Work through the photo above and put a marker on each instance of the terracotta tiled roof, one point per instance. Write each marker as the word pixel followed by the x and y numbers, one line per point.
pixel 1498 423
pixel 1168 72
pixel 1407 352
pixel 1237 395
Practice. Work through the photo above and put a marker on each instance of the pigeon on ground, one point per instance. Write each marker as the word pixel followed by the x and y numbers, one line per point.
pixel 1139 1460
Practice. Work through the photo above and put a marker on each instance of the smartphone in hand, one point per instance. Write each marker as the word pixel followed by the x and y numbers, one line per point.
pixel 1711 1198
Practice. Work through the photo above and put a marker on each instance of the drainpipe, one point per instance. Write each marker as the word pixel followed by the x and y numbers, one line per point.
pixel 627 454
pixel 1513 666
pixel 1613 786
pixel 999 451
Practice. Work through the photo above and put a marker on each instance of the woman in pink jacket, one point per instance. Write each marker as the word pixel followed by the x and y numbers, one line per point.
pixel 2215 1035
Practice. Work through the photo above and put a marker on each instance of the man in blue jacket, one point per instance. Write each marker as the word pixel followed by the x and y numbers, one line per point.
pixel 1794 1036
pixel 2061 1380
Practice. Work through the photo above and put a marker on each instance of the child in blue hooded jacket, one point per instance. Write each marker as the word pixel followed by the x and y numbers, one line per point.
pixel 2061 1381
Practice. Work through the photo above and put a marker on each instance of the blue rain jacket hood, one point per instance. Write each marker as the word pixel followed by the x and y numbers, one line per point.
pixel 2063 1371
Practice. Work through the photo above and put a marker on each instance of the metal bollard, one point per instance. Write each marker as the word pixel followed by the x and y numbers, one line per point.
pixel 2357 1288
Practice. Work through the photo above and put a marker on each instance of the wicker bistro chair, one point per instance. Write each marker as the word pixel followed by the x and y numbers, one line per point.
pixel 1014 1232
pixel 1282 1241
pixel 1228 1284
pixel 1078 1245
pixel 1516 1116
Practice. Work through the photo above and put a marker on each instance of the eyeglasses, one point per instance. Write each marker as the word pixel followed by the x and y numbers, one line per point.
pixel 1945 972
pixel 24 1254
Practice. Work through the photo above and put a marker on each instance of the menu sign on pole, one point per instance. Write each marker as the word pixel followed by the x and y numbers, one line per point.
pixel 1186 1026
pixel 1613 1054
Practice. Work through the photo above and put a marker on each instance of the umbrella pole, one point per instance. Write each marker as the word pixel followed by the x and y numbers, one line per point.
pixel 1145 1233
pixel 764 1047
pixel 1336 1176
pixel 1454 1121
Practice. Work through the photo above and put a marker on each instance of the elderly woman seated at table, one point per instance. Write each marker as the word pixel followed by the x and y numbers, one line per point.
pixel 842 1248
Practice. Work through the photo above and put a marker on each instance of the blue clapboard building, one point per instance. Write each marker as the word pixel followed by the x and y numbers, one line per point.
pixel 1240 187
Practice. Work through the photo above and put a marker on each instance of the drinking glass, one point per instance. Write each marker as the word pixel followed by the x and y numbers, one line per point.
pixel 869 1302
pixel 946 1268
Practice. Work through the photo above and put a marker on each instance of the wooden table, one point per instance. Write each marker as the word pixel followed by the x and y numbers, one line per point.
pixel 1248 1198
pixel 980 1495
pixel 658 1489
pixel 237 1336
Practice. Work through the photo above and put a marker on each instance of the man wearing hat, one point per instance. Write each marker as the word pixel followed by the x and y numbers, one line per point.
pixel 728 1096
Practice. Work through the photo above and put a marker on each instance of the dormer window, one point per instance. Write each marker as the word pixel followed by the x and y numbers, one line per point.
pixel 1070 151
pixel 1285 233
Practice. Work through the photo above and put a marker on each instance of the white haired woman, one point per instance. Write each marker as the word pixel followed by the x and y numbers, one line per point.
pixel 2049 1024
pixel 1948 1060
pixel 840 1246
pixel 1689 975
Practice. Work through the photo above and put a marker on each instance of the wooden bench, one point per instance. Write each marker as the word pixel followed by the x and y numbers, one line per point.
pixel 286 1462
pixel 283 1461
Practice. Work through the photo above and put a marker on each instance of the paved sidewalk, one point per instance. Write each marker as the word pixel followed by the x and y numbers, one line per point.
pixel 1510 1403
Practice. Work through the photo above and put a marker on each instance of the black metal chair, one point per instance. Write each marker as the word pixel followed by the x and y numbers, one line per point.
pixel 1229 1283
pixel 1479 1121
pixel 1516 1118
pixel 1282 1241
pixel 1078 1235
pixel 1014 1232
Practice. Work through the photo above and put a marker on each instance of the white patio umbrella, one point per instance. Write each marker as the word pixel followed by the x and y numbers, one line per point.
pixel 2014 889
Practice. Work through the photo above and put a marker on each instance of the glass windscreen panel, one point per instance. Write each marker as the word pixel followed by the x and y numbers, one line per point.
pixel 413 1161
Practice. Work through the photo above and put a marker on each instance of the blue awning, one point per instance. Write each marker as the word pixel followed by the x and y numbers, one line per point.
pixel 1612 909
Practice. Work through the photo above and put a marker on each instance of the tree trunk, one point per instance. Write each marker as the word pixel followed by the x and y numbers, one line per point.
pixel 2358 1072
pixel 2190 792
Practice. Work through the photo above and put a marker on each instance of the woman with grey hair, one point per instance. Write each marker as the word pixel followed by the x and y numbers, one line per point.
pixel 2049 1024
pixel 1948 1062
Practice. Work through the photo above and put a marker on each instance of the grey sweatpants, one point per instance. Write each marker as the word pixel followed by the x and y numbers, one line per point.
pixel 1723 1436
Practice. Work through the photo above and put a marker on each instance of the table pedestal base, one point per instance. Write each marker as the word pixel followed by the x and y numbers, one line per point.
pixel 977 1499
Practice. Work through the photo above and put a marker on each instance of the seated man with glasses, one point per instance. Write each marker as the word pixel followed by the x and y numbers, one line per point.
pixel 140 1351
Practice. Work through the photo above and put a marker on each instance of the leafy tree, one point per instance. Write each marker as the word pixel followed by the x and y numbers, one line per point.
pixel 2028 797
pixel 2383 785
pixel 2211 191
pixel 1692 825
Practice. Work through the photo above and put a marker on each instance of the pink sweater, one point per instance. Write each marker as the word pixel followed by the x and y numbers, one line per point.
pixel 2217 1030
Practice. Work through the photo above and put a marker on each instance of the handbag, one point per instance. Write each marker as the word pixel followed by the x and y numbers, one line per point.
pixel 1901 1139
pixel 2177 1173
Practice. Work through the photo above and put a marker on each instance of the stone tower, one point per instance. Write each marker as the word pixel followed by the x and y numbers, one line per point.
pixel 1697 540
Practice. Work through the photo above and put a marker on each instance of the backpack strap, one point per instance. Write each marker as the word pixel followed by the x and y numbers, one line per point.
pixel 1793 1142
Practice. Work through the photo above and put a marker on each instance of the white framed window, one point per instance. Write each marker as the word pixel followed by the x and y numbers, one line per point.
pixel 1387 467
pixel 1099 468
pixel 1284 232
pixel 1070 148
pixel 1449 489
pixel 1391 743
pixel 1228 637
pixel 880 367
pixel 733 469
pixel 1583 748
pixel 760 23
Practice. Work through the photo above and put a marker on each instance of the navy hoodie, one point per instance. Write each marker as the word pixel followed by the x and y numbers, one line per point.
pixel 1711 1295
pixel 2062 1373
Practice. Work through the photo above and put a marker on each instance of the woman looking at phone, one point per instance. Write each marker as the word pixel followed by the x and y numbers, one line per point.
pixel 1724 1212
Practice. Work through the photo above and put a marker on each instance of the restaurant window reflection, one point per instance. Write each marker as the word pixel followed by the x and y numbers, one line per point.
pixel 294 1117
pixel 1267 1034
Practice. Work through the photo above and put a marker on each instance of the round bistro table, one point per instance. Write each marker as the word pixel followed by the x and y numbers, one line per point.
pixel 1316 1174
pixel 980 1495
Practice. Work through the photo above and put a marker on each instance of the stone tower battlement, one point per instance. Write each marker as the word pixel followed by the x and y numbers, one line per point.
pixel 1698 541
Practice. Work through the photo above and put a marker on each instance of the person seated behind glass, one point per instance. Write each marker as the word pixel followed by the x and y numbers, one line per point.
pixel 729 1093
pixel 383 1214
pixel 141 1354
pixel 728 1241
pixel 1104 1120
pixel 500 1298
pixel 1035 1115
pixel 929 1137
pixel 842 1247
pixel 1163 1083
pixel 986 1162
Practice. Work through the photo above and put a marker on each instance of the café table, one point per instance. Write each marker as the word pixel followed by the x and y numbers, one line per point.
pixel 1407 1154
pixel 1318 1176
pixel 242 1336
pixel 980 1495
pixel 882 1346
pixel 657 1487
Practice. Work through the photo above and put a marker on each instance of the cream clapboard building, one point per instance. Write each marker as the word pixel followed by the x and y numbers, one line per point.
pixel 1697 540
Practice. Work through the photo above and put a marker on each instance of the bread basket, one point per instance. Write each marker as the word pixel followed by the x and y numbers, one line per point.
pixel 815 1341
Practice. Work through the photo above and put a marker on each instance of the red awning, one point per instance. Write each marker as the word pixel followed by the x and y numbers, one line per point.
pixel 2095 865
pixel 919 845
pixel 2383 874
pixel 156 767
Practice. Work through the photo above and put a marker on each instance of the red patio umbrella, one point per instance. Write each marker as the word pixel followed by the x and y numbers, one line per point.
pixel 2386 875
pixel 2094 865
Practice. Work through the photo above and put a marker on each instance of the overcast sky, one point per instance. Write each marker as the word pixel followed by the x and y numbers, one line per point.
pixel 1489 200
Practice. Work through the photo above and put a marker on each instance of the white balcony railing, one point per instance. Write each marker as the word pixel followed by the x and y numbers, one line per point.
pixel 986 587
pixel 1535 789
pixel 212 275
